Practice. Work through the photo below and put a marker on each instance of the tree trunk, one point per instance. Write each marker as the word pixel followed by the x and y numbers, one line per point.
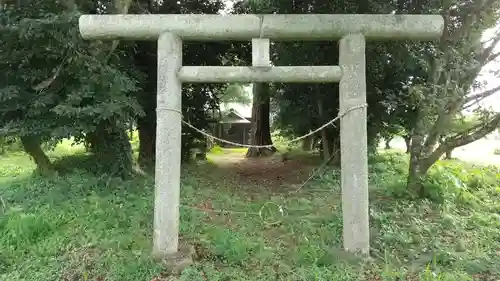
pixel 147 140
pixel 419 166
pixel 415 172
pixel 448 154
pixel 407 143
pixel 2 139
pixel 307 143
pixel 112 149
pixel 261 131
pixel 416 176
pixel 324 133
pixel 131 131
pixel 336 150
pixel 388 143
pixel 420 163
pixel 146 61
pixel 326 144
pixel 33 146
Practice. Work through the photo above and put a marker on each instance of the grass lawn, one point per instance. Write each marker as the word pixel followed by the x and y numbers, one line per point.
pixel 78 226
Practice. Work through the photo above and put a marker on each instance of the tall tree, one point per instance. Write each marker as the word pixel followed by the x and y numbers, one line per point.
pixel 261 129
pixel 452 66
pixel 303 107
pixel 235 93
pixel 58 85
pixel 198 100
pixel 260 133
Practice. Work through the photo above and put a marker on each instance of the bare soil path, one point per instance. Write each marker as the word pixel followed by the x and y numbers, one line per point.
pixel 270 172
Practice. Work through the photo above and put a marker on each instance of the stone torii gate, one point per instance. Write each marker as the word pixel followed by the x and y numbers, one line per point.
pixel 352 30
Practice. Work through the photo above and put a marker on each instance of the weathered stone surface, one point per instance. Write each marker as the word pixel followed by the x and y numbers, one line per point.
pixel 335 26
pixel 260 52
pixel 168 146
pixel 178 261
pixel 353 144
pixel 244 74
pixel 203 27
pixel 189 27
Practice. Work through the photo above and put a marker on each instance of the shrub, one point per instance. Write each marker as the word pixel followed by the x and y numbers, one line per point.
pixel 449 180
pixel 9 144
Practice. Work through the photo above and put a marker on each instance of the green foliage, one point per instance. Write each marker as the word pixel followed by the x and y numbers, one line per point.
pixel 112 149
pixel 9 144
pixel 62 85
pixel 230 247
pixel 448 181
pixel 442 89
pixel 77 226
pixel 461 124
pixel 439 235
pixel 83 227
pixel 235 93
pixel 200 102
pixel 298 105
pixel 216 150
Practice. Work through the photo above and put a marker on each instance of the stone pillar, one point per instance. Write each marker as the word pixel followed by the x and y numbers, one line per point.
pixel 260 52
pixel 168 146
pixel 353 142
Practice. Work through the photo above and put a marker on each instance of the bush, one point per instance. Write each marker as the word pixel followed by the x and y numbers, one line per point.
pixel 462 183
pixel 448 180
pixel 10 144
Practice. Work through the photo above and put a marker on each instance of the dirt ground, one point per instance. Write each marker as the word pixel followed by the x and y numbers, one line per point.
pixel 271 172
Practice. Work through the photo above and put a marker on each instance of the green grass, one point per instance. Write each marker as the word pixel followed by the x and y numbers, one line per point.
pixel 77 226
pixel 217 150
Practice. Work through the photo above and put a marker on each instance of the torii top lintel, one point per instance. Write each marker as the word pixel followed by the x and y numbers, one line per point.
pixel 204 27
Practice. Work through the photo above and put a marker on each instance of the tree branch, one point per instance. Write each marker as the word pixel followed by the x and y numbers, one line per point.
pixel 445 116
pixel 121 7
pixel 482 95
pixel 47 82
pixel 487 55
pixel 467 18
pixel 467 106
pixel 473 134
pixel 492 57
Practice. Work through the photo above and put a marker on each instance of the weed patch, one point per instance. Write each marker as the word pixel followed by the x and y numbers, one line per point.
pixel 78 226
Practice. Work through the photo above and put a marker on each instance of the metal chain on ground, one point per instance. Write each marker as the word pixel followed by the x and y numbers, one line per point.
pixel 270 145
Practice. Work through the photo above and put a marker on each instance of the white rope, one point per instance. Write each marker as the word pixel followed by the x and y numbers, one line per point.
pixel 270 145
